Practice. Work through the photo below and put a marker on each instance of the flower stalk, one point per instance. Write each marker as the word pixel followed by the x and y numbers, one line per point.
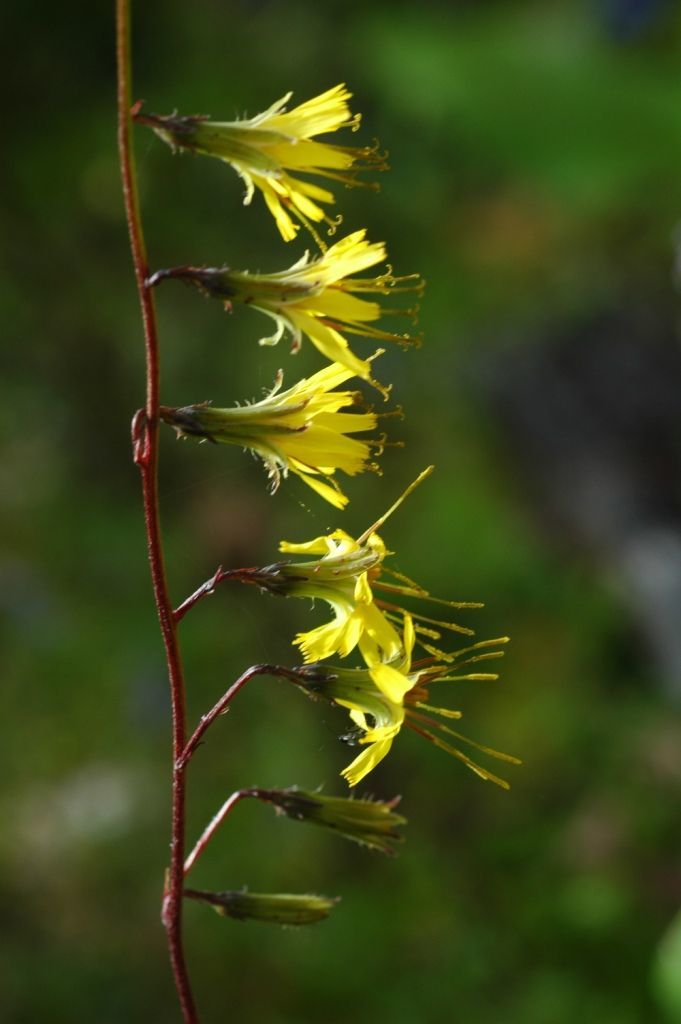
pixel 307 430
pixel 145 453
pixel 370 823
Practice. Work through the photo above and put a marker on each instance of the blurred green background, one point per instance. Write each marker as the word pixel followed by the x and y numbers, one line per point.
pixel 536 183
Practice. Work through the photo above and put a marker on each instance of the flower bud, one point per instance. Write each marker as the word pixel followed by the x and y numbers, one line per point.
pixel 276 908
pixel 369 822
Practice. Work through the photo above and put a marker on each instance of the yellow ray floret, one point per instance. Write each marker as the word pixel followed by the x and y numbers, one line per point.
pixel 319 298
pixel 391 694
pixel 345 573
pixel 264 149
pixel 301 431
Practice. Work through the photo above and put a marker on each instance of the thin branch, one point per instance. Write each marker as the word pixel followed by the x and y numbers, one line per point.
pixel 206 589
pixel 223 704
pixel 145 453
pixel 214 824
pixel 266 796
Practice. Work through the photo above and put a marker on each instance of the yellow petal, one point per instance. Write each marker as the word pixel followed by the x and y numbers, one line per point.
pixel 307 156
pixel 366 761
pixel 363 593
pixel 318 546
pixel 331 343
pixel 340 305
pixel 324 113
pixel 322 642
pixel 392 683
pixel 334 496
pixel 409 636
pixel 381 631
pixel 350 255
pixel 287 228
pixel 351 634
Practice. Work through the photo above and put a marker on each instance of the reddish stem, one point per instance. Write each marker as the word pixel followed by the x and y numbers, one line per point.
pixel 207 588
pixel 145 450
pixel 266 795
pixel 214 824
pixel 226 699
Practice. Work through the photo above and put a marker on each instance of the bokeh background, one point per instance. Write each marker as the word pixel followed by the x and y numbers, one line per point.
pixel 536 183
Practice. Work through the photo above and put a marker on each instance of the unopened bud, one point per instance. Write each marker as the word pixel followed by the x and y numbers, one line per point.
pixel 369 822
pixel 277 908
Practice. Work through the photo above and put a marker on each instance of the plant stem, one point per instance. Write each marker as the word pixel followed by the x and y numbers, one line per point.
pixel 207 588
pixel 145 447
pixel 214 824
pixel 265 795
pixel 223 704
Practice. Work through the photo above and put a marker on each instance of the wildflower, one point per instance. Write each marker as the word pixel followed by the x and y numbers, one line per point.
pixel 387 695
pixel 318 298
pixel 344 577
pixel 277 908
pixel 299 430
pixel 368 822
pixel 263 149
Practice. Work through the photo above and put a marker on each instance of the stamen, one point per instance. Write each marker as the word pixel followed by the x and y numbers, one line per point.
pixel 445 712
pixel 417 591
pixel 474 767
pixel 499 755
pixel 480 643
pixel 424 618
pixel 482 657
pixel 396 504
pixel 401 576
pixel 333 223
pixel 365 330
pixel 305 221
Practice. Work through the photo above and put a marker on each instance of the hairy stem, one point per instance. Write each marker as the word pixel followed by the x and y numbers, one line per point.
pixel 207 588
pixel 145 449
pixel 214 824
pixel 223 704
pixel 267 796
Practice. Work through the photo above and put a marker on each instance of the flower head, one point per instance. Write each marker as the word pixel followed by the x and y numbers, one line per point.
pixel 265 148
pixel 300 430
pixel 274 908
pixel 389 694
pixel 345 575
pixel 368 822
pixel 318 298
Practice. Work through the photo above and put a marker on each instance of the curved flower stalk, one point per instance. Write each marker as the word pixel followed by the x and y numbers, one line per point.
pixel 263 149
pixel 300 430
pixel 318 298
pixel 345 577
pixel 389 694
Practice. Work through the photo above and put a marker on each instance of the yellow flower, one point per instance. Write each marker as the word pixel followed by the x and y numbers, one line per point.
pixel 341 578
pixel 300 430
pixel 318 298
pixel 390 694
pixel 345 576
pixel 263 149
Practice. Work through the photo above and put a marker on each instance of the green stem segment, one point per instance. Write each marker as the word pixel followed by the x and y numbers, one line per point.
pixel 145 449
